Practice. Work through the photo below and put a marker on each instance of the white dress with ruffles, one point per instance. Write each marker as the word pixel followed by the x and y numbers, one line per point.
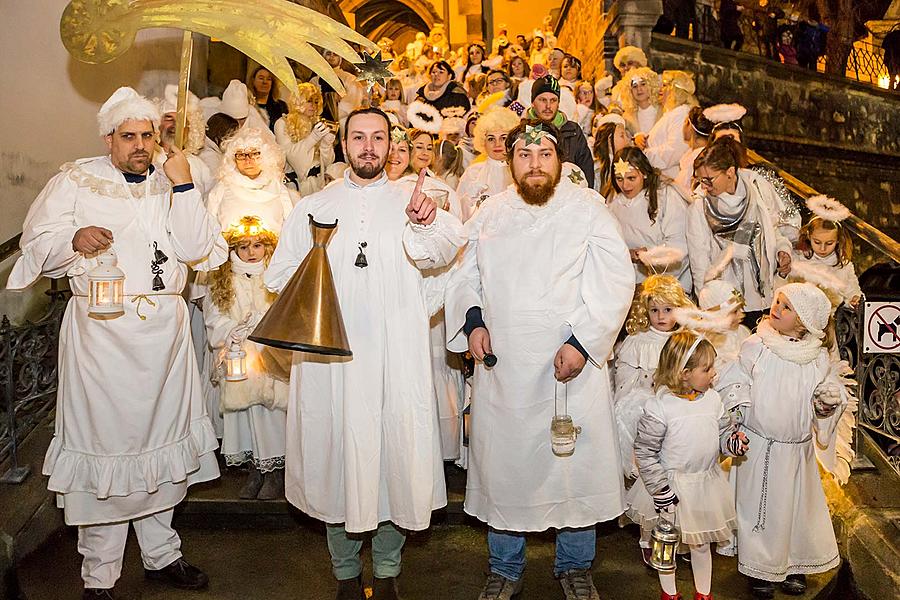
pixel 131 429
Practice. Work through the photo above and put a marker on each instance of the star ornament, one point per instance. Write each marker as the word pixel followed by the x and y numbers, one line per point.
pixel 534 135
pixel 622 167
pixel 373 70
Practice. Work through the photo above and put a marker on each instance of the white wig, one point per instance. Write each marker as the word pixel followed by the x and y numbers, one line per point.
pixel 271 159
pixel 126 105
pixel 501 120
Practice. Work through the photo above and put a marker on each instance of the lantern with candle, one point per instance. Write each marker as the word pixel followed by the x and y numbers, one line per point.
pixel 664 540
pixel 106 287
pixel 235 363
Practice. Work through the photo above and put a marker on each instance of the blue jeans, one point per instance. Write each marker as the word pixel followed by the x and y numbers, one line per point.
pixel 575 549
pixel 387 543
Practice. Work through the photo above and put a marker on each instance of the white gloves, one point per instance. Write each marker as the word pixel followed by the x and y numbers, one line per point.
pixel 826 398
pixel 239 332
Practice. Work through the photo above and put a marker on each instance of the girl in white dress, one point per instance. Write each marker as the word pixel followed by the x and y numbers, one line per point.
pixel 680 436
pixel 653 215
pixel 253 409
pixel 788 396
pixel 393 100
pixel 639 96
pixel 824 250
pixel 650 323
pixel 307 142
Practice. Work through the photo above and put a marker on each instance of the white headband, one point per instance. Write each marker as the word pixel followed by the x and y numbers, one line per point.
pixel 687 356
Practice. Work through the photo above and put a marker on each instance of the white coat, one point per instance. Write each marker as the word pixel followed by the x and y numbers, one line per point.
pixel 542 274
pixel 131 430
pixel 237 196
pixel 303 155
pixel 362 434
pixel 482 179
pixel 668 229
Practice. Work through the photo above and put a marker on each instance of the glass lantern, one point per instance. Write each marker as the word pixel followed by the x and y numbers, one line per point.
pixel 664 540
pixel 235 363
pixel 106 287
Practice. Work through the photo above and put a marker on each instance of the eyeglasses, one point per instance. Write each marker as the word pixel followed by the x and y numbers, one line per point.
pixel 708 181
pixel 242 156
pixel 496 81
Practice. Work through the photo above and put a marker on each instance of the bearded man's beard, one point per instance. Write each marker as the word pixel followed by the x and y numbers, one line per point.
pixel 538 193
pixel 368 166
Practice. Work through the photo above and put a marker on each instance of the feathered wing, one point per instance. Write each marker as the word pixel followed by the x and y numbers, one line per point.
pixel 269 32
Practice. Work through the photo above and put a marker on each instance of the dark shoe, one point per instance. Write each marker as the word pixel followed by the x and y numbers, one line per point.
pixel 179 574
pixel 794 585
pixel 252 485
pixel 97 594
pixel 272 486
pixel 385 589
pixel 350 589
pixel 498 587
pixel 578 584
pixel 765 590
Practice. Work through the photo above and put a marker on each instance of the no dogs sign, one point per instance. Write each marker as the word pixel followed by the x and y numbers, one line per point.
pixel 882 328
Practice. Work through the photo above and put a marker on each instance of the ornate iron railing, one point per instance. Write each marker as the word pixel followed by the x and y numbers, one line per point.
pixel 28 379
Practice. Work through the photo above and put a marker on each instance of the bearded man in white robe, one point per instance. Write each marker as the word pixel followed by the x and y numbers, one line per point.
pixel 542 291
pixel 131 430
pixel 363 442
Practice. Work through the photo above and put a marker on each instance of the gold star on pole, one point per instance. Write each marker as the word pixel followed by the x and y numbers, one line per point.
pixel 373 70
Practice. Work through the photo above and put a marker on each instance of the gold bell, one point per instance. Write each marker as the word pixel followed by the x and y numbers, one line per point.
pixel 306 316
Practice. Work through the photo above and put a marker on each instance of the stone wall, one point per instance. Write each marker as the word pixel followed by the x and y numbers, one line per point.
pixel 840 137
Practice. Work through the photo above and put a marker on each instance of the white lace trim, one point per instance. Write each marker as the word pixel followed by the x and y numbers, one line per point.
pixel 122 475
pixel 113 189
pixel 265 465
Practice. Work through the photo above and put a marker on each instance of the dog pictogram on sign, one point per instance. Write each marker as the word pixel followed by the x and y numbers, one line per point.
pixel 882 328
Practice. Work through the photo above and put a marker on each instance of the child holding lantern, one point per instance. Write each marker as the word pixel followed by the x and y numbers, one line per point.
pixel 253 407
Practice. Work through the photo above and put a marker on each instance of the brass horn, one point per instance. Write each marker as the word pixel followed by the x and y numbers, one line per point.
pixel 306 316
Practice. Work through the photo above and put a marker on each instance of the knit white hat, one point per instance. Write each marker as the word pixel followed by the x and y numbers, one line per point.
pixel 235 101
pixel 715 293
pixel 169 102
pixel 811 305
pixel 126 105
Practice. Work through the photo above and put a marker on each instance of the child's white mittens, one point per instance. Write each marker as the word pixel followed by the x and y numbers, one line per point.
pixel 826 398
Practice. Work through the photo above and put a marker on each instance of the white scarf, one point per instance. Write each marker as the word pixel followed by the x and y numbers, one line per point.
pixel 239 267
pixel 801 351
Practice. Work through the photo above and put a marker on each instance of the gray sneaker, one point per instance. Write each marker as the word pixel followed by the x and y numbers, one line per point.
pixel 578 585
pixel 498 587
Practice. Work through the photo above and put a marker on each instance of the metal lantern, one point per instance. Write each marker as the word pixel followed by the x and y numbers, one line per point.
pixel 106 287
pixel 235 363
pixel 664 540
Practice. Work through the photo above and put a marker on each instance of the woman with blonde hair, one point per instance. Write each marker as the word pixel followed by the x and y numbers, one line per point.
pixel 665 144
pixel 639 96
pixel 489 173
pixel 307 142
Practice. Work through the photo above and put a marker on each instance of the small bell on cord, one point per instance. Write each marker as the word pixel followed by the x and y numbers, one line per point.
pixel 159 257
pixel 158 283
pixel 361 261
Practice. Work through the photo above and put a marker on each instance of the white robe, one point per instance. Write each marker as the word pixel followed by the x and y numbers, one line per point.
pixel 305 154
pixel 541 275
pixel 362 437
pixel 784 526
pixel 668 229
pixel 665 141
pixel 131 430
pixel 200 174
pixel 482 179
pixel 237 196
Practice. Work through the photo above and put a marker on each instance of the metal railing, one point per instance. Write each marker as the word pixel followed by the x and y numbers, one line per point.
pixel 28 378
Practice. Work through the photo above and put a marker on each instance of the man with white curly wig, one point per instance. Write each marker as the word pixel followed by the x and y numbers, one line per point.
pixel 131 429
pixel 194 137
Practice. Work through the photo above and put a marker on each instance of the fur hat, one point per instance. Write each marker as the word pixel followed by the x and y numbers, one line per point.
pixel 234 100
pixel 169 101
pixel 424 116
pixel 811 305
pixel 126 105
pixel 547 83
pixel 498 119
pixel 627 54
pixel 603 85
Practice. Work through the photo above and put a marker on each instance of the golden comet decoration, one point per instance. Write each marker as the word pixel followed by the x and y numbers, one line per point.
pixel 268 31
pixel 373 70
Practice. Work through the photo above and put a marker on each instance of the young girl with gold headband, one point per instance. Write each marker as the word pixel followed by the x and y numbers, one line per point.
pixel 253 409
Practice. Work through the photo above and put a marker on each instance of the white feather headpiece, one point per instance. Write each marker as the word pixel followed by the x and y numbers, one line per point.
pixel 818 275
pixel 424 116
pixel 725 113
pixel 661 257
pixel 603 84
pixel 610 118
pixel 716 269
pixel 717 321
pixel 827 208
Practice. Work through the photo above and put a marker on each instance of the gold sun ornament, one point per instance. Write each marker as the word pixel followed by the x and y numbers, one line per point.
pixel 268 31
pixel 373 70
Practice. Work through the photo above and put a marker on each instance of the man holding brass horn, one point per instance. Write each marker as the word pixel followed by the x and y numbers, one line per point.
pixel 363 447
pixel 542 290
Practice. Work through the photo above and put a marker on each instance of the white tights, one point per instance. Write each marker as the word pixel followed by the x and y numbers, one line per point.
pixel 701 565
